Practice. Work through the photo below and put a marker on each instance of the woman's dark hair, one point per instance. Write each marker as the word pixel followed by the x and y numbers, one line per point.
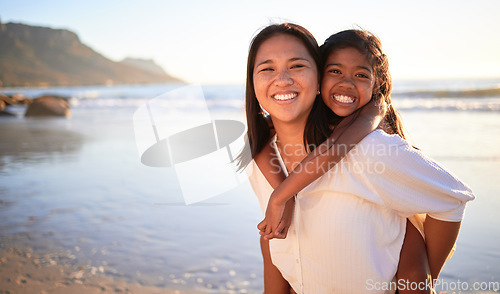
pixel 259 127
pixel 369 45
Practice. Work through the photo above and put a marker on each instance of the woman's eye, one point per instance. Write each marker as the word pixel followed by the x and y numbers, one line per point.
pixel 297 66
pixel 266 69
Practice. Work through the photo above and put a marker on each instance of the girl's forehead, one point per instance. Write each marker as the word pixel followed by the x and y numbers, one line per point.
pixel 349 54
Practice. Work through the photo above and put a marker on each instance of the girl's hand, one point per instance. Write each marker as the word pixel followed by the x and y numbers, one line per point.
pixel 274 213
pixel 284 224
pixel 273 223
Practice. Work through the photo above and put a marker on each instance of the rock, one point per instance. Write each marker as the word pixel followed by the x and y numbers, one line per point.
pixel 5 101
pixel 48 106
pixel 21 99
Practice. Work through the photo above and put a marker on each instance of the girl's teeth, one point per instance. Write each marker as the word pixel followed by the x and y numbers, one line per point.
pixel 285 96
pixel 343 99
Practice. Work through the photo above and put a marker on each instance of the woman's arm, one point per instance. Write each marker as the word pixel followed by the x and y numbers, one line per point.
pixel 345 136
pixel 413 275
pixel 407 181
pixel 440 237
pixel 273 280
pixel 421 261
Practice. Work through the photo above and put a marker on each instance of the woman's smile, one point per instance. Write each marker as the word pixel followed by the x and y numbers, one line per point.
pixel 285 96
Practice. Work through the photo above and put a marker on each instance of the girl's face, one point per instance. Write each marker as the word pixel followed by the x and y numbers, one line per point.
pixel 348 81
pixel 285 79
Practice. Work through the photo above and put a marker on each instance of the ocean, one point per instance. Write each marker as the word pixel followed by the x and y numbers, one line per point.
pixel 77 189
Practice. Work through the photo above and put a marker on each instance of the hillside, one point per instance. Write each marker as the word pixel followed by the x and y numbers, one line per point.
pixel 145 64
pixel 40 56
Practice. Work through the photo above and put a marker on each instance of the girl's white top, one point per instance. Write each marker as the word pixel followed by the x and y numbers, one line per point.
pixel 348 226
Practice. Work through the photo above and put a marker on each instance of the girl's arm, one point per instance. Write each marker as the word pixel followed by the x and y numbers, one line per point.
pixel 267 161
pixel 345 136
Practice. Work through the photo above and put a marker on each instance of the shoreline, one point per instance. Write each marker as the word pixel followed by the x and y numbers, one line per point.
pixel 26 271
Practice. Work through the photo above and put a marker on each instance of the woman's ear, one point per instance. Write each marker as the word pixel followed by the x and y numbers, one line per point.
pixel 263 112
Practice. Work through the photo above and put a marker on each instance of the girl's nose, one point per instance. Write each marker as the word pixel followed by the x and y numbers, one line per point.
pixel 346 82
pixel 283 78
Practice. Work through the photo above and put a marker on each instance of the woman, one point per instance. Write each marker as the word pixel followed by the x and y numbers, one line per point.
pixel 283 78
pixel 317 125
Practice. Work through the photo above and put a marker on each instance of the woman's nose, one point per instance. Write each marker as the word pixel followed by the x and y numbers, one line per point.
pixel 283 78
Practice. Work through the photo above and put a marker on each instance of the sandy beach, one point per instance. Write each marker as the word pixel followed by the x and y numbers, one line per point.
pixel 24 271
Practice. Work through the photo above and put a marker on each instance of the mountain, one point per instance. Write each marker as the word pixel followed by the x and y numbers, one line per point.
pixel 145 64
pixel 41 56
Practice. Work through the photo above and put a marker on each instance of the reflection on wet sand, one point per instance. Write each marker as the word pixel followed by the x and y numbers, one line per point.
pixel 30 141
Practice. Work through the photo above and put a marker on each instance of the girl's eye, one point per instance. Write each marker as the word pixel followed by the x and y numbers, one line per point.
pixel 362 76
pixel 266 69
pixel 335 71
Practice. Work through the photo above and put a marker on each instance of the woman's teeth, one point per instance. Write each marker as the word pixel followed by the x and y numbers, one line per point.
pixel 343 98
pixel 283 97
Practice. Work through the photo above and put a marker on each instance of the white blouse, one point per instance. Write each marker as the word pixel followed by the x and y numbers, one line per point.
pixel 348 226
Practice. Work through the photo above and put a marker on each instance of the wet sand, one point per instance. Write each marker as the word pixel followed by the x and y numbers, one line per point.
pixel 22 271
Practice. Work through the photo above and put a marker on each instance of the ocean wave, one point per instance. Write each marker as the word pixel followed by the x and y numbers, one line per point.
pixel 237 104
pixel 231 97
pixel 466 93
pixel 463 104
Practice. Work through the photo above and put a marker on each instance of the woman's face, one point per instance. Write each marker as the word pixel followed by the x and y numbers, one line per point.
pixel 348 81
pixel 285 79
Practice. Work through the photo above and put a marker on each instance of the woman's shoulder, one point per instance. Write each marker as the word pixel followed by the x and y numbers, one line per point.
pixel 380 137
pixel 381 146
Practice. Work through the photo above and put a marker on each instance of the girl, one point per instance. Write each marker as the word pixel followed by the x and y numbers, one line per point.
pixel 371 204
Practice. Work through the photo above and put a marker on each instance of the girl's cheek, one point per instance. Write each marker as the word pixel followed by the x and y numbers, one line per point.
pixel 367 85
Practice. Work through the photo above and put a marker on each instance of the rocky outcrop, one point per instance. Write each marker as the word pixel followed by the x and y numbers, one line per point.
pixel 3 112
pixel 6 101
pixel 48 106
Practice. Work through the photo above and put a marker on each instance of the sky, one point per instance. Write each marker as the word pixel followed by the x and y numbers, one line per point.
pixel 206 42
